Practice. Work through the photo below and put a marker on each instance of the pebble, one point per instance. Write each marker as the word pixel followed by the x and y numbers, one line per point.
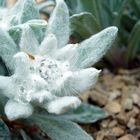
pixel 127 104
pixel 112 123
pixel 117 131
pixel 100 135
pixel 127 137
pixel 113 107
pixel 85 96
pixel 131 124
pixel 104 123
pixel 113 95
pixel 122 118
pixel 133 113
pixel 136 99
pixel 98 98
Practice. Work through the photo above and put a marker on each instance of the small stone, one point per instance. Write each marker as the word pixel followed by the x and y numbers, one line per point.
pixel 98 98
pixel 100 135
pixel 115 94
pixel 117 131
pixel 131 124
pixel 122 118
pixel 112 123
pixel 85 96
pixel 104 123
pixel 135 98
pixel 133 113
pixel 113 107
pixel 127 137
pixel 127 104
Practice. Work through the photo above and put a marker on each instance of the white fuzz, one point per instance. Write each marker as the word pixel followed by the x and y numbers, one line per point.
pixel 92 49
pixel 59 23
pixel 48 45
pixel 61 105
pixel 4 25
pixel 26 45
pixel 15 110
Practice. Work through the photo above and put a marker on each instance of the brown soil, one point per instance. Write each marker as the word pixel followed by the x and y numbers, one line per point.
pixel 118 94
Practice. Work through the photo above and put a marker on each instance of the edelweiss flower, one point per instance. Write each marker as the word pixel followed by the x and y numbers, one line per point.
pixel 53 74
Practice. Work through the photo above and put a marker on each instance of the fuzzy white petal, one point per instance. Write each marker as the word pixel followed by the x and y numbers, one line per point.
pixel 15 110
pixel 92 49
pixel 23 11
pixel 48 45
pixel 68 53
pixel 22 63
pixel 7 49
pixel 77 82
pixel 62 104
pixel 28 42
pixel 40 96
pixel 59 23
pixel 5 83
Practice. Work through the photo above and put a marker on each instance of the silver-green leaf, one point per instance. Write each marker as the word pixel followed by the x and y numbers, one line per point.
pixel 84 24
pixel 86 113
pixel 4 131
pixel 7 49
pixel 59 129
pixel 23 11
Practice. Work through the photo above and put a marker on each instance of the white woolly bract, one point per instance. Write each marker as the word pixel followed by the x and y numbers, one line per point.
pixel 92 49
pixel 62 104
pixel 50 74
pixel 59 23
pixel 15 110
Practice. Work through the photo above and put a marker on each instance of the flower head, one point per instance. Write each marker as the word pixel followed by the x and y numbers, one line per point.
pixel 53 74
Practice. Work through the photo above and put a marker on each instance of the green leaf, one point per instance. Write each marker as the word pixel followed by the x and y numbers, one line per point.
pixel 92 49
pixel 59 23
pixel 7 49
pixel 133 43
pixel 4 131
pixel 3 70
pixel 111 12
pixel 28 42
pixel 3 101
pixel 2 3
pixel 24 135
pixel 23 11
pixel 38 26
pixel 120 10
pixel 15 32
pixel 86 113
pixel 78 6
pixel 106 12
pixel 135 6
pixel 59 129
pixel 84 24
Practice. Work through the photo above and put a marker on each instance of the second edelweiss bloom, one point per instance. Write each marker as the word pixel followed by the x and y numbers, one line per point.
pixel 53 74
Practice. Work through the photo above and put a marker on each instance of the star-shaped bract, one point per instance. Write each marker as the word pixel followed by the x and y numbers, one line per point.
pixel 53 74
